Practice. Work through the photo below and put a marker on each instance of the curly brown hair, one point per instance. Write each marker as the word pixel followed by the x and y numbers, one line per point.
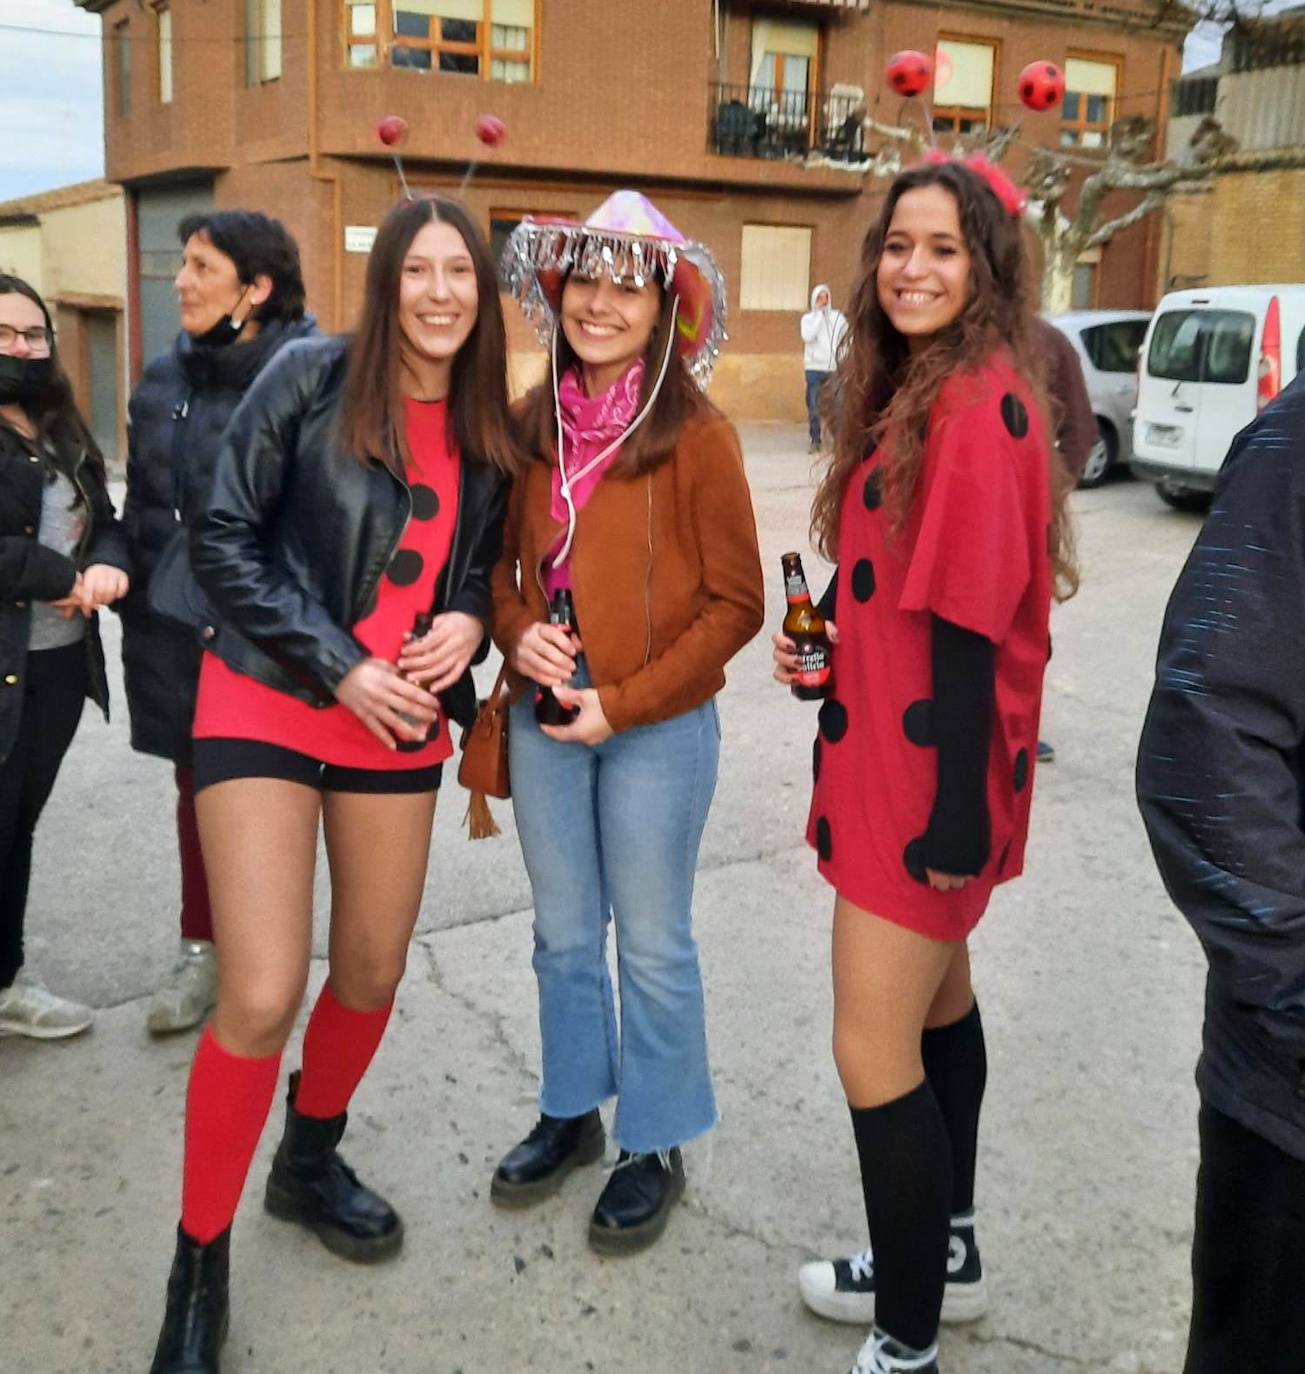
pixel 882 388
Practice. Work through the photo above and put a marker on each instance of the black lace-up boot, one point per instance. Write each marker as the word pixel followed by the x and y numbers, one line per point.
pixel 195 1320
pixel 632 1211
pixel 312 1185
pixel 539 1165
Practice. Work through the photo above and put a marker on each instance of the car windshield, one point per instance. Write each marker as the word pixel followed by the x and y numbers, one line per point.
pixel 1113 347
pixel 1202 346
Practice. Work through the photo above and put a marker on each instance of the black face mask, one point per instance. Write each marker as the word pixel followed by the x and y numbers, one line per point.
pixel 226 331
pixel 23 380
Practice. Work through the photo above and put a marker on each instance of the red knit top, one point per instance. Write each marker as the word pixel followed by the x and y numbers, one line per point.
pixel 233 706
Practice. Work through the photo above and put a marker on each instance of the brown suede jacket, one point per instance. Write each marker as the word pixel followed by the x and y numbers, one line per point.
pixel 665 572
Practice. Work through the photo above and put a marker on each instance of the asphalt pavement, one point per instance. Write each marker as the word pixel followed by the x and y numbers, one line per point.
pixel 1091 989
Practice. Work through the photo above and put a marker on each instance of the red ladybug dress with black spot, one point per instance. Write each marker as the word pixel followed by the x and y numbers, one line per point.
pixel 973 551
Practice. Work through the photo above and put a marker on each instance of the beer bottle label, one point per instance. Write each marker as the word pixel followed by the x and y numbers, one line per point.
pixel 813 665
pixel 795 588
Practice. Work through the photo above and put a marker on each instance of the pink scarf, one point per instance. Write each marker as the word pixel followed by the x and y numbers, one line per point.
pixel 589 424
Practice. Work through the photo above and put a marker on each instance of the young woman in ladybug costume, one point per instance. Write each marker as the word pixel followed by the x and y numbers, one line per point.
pixel 940 504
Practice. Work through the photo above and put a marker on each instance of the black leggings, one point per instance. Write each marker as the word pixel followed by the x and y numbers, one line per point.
pixel 1248 1256
pixel 54 691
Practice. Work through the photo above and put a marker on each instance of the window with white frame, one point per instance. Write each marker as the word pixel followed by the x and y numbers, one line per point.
pixel 1091 90
pixel 775 267
pixel 490 39
pixel 962 85
pixel 262 41
pixel 163 41
pixel 783 69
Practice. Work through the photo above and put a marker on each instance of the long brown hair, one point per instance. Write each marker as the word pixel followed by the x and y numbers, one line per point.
pixel 372 411
pixel 679 400
pixel 54 412
pixel 883 388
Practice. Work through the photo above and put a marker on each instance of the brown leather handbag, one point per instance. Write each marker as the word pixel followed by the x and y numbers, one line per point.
pixel 483 770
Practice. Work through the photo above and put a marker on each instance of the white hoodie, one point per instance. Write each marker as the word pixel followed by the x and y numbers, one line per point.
pixel 822 334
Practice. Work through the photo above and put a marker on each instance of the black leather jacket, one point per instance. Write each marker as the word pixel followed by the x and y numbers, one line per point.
pixel 298 532
pixel 179 411
pixel 31 572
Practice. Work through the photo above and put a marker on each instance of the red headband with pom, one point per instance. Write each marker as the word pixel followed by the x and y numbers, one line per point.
pixel 1013 200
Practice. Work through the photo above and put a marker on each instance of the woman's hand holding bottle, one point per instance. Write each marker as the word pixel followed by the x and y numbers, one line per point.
pixel 385 701
pixel 590 726
pixel 785 654
pixel 437 659
pixel 546 654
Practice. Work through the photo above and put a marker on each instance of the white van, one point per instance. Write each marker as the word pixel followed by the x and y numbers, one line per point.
pixel 1213 358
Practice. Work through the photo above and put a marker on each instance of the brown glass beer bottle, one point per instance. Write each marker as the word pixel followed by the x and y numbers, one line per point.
pixel 548 710
pixel 805 626
pixel 420 626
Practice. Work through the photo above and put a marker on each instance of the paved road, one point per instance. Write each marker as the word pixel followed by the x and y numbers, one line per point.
pixel 1091 988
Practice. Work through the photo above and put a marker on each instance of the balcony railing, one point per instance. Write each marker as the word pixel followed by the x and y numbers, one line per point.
pixel 756 121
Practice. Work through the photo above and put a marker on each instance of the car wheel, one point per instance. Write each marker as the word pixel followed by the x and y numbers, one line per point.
pixel 1181 498
pixel 1100 460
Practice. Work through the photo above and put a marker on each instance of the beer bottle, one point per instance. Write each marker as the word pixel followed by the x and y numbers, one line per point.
pixel 420 626
pixel 805 626
pixel 548 710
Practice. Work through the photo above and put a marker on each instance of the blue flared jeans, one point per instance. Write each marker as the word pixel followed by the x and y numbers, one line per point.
pixel 611 834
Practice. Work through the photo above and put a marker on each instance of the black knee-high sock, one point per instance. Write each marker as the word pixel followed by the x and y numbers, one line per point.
pixel 956 1065
pixel 906 1175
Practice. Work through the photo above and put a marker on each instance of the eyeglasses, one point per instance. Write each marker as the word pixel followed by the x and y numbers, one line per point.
pixel 38 339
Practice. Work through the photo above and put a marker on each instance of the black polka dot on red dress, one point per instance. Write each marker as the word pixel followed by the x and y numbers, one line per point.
pixel 863 580
pixel 1014 416
pixel 405 567
pixel 425 502
pixel 815 759
pixel 913 858
pixel 824 839
pixel 833 720
pixel 871 492
pixel 917 723
pixel 1021 770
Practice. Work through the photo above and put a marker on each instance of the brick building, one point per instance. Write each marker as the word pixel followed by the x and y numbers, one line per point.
pixel 1247 226
pixel 743 118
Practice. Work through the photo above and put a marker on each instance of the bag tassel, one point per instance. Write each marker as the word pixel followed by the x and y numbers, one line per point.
pixel 479 819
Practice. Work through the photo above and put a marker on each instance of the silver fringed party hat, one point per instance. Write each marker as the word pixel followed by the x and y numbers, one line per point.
pixel 627 236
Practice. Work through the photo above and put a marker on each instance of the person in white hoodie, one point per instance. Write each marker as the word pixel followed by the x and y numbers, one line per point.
pixel 823 328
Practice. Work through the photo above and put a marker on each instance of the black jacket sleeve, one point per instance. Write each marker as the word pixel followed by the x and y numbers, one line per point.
pixel 228 543
pixel 828 603
pixel 1221 764
pixel 473 596
pixel 30 570
pixel 959 836
pixel 108 542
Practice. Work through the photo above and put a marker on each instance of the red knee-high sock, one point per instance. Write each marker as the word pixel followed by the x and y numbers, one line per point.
pixel 338 1046
pixel 227 1104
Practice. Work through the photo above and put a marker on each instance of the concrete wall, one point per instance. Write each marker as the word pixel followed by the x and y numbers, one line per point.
pixel 86 249
pixel 21 253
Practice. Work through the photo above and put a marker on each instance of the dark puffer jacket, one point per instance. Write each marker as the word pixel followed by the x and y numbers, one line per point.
pixel 178 412
pixel 298 533
pixel 31 572
pixel 1221 774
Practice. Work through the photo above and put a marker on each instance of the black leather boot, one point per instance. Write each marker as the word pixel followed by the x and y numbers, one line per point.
pixel 312 1185
pixel 195 1319
pixel 539 1166
pixel 632 1211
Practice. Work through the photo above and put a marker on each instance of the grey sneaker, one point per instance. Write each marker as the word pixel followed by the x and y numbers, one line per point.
pixel 29 1008
pixel 844 1289
pixel 881 1354
pixel 188 993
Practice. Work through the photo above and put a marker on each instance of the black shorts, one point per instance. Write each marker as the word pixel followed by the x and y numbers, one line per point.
pixel 221 760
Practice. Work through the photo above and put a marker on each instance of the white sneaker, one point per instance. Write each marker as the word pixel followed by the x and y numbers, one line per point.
pixel 844 1289
pixel 881 1354
pixel 29 1008
pixel 188 993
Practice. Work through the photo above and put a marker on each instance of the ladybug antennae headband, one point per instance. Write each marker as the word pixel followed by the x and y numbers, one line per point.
pixel 1013 200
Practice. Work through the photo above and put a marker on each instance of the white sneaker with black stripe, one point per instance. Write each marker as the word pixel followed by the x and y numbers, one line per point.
pixel 881 1354
pixel 844 1289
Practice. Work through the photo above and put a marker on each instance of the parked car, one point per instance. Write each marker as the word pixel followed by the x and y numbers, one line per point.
pixel 1107 344
pixel 1212 360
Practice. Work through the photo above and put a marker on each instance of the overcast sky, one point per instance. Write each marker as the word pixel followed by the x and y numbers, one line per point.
pixel 51 104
